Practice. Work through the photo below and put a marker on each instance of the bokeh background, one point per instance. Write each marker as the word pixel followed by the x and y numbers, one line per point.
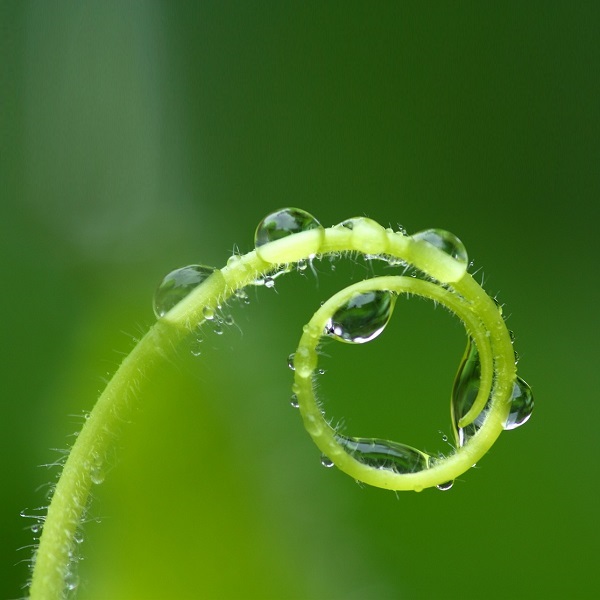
pixel 140 137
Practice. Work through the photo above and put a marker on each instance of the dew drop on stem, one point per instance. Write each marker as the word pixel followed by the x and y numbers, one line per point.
pixel 177 285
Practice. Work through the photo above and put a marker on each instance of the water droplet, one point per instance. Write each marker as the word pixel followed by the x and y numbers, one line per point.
pixel 383 454
pixel 196 348
pixel 521 405
pixel 78 537
pixel 291 361
pixel 228 320
pixel 326 462
pixel 368 234
pixel 242 295
pixel 97 475
pixel 302 264
pixel 445 486
pixel 269 282
pixel 71 581
pixel 449 244
pixel 281 224
pixel 464 393
pixel 36 528
pixel 218 328
pixel 177 285
pixel 294 401
pixel 362 318
pixel 209 313
pixel 321 371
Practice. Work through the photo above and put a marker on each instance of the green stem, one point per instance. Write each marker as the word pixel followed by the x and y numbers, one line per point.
pixel 460 293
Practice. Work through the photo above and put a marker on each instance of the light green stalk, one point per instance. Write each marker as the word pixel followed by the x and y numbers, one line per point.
pixel 453 287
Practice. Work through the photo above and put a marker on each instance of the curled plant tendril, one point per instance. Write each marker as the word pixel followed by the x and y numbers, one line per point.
pixel 487 395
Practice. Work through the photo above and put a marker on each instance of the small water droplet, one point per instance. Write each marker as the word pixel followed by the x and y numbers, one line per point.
pixel 269 282
pixel 446 485
pixel 228 320
pixel 383 454
pixel 196 348
pixel 362 318
pixel 321 371
pixel 218 328
pixel 97 475
pixel 78 537
pixel 36 528
pixel 283 223
pixel 177 285
pixel 326 462
pixel 242 295
pixel 71 581
pixel 291 361
pixel 302 264
pixel 521 405
pixel 294 401
pixel 209 313
pixel 449 244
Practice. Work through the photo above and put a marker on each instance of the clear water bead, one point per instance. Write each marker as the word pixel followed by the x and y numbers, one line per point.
pixel 521 405
pixel 177 285
pixel 445 486
pixel 383 454
pixel 326 462
pixel 449 244
pixel 362 318
pixel 281 224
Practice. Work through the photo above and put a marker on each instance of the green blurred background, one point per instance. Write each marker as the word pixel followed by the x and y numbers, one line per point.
pixel 139 137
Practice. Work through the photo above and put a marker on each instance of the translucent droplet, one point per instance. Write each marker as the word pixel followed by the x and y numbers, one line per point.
pixel 445 486
pixel 449 244
pixel 521 405
pixel 97 475
pixel 362 318
pixel 269 282
pixel 196 348
pixel 302 264
pixel 326 462
pixel 445 241
pixel 36 528
pixel 294 401
pixel 464 393
pixel 218 328
pixel 228 320
pixel 78 537
pixel 291 362
pixel 383 454
pixel 368 234
pixel 209 313
pixel 71 580
pixel 177 285
pixel 242 295
pixel 281 224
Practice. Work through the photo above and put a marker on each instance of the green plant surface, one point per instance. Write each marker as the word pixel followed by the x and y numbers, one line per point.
pixel 137 139
pixel 53 572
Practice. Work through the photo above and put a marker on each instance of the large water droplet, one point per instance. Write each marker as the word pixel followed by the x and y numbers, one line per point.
pixel 363 317
pixel 521 406
pixel 449 244
pixel 367 234
pixel 281 224
pixel 177 285
pixel 464 393
pixel 383 454
pixel 445 241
